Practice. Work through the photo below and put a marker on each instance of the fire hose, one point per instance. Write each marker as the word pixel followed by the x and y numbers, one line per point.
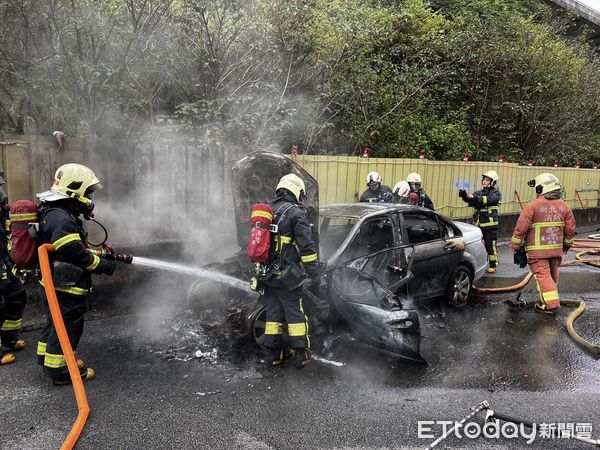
pixel 65 344
pixel 592 348
pixel 490 415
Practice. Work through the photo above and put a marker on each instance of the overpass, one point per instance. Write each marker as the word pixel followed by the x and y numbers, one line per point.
pixel 586 14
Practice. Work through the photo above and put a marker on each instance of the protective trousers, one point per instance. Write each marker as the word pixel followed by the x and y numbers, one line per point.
pixel 546 273
pixel 285 306
pixel 12 305
pixel 490 237
pixel 49 352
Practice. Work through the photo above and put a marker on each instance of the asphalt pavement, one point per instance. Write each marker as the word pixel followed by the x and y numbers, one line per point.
pixel 171 377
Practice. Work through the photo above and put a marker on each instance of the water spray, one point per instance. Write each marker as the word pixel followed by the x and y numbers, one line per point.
pixel 194 271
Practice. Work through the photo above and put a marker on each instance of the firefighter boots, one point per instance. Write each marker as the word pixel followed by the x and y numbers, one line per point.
pixel 280 356
pixel 302 358
pixel 86 375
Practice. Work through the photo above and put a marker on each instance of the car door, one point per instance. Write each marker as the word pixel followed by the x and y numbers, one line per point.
pixel 370 269
pixel 435 256
pixel 373 249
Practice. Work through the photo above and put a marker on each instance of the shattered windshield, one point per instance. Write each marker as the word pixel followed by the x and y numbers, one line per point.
pixel 333 231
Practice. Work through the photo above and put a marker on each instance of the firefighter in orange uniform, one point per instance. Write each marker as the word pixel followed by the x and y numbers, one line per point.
pixel 546 228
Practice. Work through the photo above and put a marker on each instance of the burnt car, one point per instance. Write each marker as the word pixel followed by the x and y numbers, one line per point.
pixel 446 256
pixel 377 256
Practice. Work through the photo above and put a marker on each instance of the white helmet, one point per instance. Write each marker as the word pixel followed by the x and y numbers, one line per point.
pixel 294 184
pixel 374 177
pixel 492 175
pixel 402 189
pixel 414 177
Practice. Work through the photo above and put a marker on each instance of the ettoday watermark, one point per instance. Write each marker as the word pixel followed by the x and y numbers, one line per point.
pixel 429 429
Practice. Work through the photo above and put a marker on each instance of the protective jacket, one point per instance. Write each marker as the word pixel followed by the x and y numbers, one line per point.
pixel 8 270
pixel 62 227
pixel 486 203
pixel 293 242
pixel 381 195
pixel 546 227
pixel 423 199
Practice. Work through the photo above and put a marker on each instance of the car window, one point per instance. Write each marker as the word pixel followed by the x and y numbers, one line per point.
pixel 374 235
pixel 333 232
pixel 447 229
pixel 421 228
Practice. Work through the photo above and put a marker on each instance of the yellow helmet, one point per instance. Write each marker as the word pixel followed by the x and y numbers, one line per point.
pixel 492 175
pixel 545 183
pixel 294 184
pixel 402 188
pixel 74 180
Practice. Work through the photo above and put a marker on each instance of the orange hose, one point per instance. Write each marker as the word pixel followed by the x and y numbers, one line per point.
pixel 65 345
pixel 500 290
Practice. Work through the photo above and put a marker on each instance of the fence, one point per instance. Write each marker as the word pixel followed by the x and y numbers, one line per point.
pixel 163 191
pixel 342 179
pixel 151 192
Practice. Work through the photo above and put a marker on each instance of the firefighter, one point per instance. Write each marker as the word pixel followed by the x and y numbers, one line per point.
pixel 376 192
pixel 401 193
pixel 69 198
pixel 12 291
pixel 546 228
pixel 417 194
pixel 292 248
pixel 486 201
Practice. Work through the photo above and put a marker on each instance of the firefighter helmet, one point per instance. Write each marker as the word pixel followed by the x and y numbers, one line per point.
pixel 414 181
pixel 492 175
pixel 74 181
pixel 374 177
pixel 545 183
pixel 294 184
pixel 402 189
pixel 414 177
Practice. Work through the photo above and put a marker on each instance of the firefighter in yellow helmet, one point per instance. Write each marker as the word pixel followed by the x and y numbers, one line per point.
pixel 294 265
pixel 486 201
pixel 70 197
pixel 12 291
pixel 546 229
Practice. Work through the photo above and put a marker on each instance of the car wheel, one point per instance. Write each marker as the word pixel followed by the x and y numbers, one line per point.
pixel 258 324
pixel 459 286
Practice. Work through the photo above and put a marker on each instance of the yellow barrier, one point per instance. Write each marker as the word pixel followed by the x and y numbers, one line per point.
pixel 342 178
pixel 65 345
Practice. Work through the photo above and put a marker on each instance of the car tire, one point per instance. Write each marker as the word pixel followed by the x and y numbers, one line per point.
pixel 258 322
pixel 459 286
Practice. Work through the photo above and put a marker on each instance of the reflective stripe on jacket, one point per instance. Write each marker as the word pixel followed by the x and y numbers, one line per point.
pixel 294 237
pixel 485 201
pixel 545 227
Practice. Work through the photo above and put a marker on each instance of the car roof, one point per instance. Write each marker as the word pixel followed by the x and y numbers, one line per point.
pixel 358 210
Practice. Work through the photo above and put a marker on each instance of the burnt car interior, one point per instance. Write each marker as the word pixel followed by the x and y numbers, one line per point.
pixel 333 232
pixel 374 235
pixel 421 228
pixel 358 287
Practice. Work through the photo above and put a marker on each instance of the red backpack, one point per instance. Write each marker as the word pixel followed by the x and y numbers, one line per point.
pixel 259 240
pixel 24 224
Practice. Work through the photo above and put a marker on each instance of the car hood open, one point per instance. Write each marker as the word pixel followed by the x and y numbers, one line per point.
pixel 254 180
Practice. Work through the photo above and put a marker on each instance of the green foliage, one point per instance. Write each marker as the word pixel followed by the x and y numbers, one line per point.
pixel 484 77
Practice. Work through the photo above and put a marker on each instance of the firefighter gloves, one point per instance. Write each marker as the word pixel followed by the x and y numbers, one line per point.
pixel 520 257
